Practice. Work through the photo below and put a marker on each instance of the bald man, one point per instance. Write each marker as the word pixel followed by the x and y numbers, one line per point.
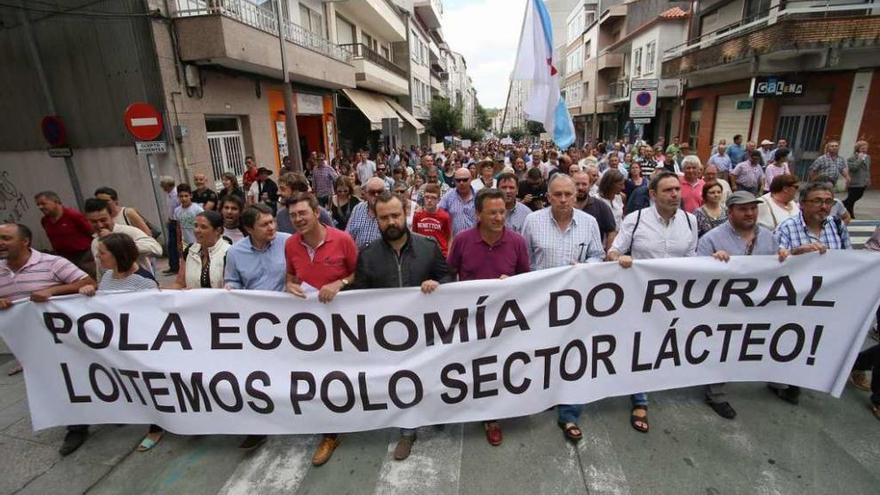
pixel 362 225
pixel 202 194
pixel 459 202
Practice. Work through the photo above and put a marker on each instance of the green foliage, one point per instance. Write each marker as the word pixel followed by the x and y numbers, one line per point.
pixel 472 134
pixel 517 134
pixel 445 118
pixel 534 128
pixel 483 119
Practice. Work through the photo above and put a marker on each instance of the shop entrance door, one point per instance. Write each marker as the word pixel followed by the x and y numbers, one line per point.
pixel 803 126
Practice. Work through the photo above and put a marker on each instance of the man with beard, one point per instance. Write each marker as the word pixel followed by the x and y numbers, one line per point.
pixel 739 236
pixel 562 236
pixel 597 209
pixel 319 259
pixel 516 211
pixel 378 267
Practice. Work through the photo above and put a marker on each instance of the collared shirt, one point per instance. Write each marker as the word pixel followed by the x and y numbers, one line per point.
pixel 70 234
pixel 793 232
pixel 478 184
pixel 550 247
pixel 474 259
pixel 736 153
pixel 691 194
pixel 766 155
pixel 39 272
pixel 725 238
pixel 463 213
pixel 770 214
pixel 257 269
pixel 826 167
pixel 171 203
pixel 748 175
pixel 654 237
pixel 363 227
pixel 365 170
pixel 721 161
pixel 146 245
pixel 334 259
pixel 516 217
pixel 324 175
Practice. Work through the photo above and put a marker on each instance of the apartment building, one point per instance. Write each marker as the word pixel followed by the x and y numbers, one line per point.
pixel 578 85
pixel 800 70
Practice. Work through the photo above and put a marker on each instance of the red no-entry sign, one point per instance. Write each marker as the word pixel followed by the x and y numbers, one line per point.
pixel 143 121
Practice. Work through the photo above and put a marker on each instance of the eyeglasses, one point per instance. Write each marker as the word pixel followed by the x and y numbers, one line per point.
pixel 462 180
pixel 375 192
pixel 381 169
pixel 820 202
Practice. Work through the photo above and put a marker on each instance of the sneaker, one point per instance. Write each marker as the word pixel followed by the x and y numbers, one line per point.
pixel 73 440
pixel 860 380
pixel 791 394
pixel 325 450
pixel 252 442
pixel 404 447
pixel 724 409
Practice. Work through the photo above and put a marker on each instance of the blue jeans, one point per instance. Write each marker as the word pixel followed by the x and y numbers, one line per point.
pixel 570 413
pixel 171 246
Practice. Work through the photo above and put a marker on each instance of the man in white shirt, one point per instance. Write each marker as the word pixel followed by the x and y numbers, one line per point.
pixel 663 230
pixel 98 214
pixel 366 168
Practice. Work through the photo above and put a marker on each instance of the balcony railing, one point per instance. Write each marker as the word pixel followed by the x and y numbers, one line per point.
pixel 618 90
pixel 794 8
pixel 360 51
pixel 263 19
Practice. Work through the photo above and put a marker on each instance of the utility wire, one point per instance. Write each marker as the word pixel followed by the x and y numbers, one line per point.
pixel 81 13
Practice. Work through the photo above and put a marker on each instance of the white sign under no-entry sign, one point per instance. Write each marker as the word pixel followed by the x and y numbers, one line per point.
pixel 150 147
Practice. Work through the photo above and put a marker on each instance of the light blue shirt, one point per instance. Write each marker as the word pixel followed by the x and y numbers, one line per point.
pixel 257 269
pixel 725 238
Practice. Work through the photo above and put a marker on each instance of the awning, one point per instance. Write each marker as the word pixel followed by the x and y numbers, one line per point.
pixel 406 116
pixel 374 107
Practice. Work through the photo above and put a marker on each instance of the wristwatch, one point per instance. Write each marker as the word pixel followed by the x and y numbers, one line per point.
pixel 344 282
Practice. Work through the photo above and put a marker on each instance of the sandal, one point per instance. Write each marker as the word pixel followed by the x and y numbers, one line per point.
pixel 15 370
pixel 148 443
pixel 571 431
pixel 639 423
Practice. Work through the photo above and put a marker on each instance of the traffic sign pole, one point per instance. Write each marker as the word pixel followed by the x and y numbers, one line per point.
pixel 144 122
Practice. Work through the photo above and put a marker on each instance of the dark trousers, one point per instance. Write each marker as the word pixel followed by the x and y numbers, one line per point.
pixel 853 194
pixel 171 246
pixel 869 360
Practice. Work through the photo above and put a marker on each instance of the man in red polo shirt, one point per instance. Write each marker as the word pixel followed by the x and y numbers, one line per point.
pixel 489 250
pixel 68 231
pixel 322 259
pixel 432 221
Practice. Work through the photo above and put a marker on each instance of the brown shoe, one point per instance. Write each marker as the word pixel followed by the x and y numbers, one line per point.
pixel 404 447
pixel 860 380
pixel 325 450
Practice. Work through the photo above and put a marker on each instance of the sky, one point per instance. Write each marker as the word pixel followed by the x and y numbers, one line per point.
pixel 486 33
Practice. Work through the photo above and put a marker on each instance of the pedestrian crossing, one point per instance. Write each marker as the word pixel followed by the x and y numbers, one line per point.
pixel 860 231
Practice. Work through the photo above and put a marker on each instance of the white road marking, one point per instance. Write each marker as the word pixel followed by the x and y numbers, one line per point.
pixel 434 466
pixel 279 466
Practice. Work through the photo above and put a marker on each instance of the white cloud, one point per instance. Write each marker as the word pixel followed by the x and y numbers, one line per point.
pixel 486 32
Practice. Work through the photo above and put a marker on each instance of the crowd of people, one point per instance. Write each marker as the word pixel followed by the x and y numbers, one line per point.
pixel 413 218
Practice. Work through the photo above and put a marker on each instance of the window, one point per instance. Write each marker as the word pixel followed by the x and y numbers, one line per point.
pixel 575 27
pixel 650 56
pixel 575 61
pixel 311 20
pixel 637 62
pixel 587 50
pixel 385 52
pixel 369 41
pixel 414 52
pixel 345 33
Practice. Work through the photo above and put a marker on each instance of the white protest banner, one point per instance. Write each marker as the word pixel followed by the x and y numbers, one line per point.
pixel 438 148
pixel 214 361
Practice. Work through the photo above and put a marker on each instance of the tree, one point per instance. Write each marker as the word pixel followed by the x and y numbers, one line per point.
pixel 534 128
pixel 445 118
pixel 517 134
pixel 483 120
pixel 472 134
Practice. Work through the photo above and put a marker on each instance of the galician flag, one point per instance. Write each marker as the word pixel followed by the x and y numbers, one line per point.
pixel 534 63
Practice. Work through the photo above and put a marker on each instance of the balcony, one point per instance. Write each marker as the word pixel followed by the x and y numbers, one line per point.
pixel 430 12
pixel 614 13
pixel 375 72
pixel 243 36
pixel 618 91
pixel 794 36
pixel 378 17
pixel 609 61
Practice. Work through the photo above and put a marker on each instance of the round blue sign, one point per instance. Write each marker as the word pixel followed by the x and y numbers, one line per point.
pixel 643 99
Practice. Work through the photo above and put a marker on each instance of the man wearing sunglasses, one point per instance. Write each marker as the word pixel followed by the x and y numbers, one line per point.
pixel 459 202
pixel 362 225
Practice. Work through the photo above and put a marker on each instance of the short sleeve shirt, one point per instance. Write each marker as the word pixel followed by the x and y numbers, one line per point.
pixel 473 259
pixel 41 271
pixel 332 260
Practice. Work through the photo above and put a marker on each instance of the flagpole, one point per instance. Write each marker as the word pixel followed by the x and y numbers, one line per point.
pixel 518 46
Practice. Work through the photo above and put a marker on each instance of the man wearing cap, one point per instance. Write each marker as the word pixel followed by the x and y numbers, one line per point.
pixel 739 236
pixel 264 190
pixel 748 175
pixel 766 151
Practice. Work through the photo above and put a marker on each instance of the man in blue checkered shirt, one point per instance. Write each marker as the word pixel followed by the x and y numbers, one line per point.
pixel 813 230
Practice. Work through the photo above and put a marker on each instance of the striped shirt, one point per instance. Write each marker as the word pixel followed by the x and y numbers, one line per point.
pixel 516 217
pixel 550 247
pixel 323 176
pixel 139 280
pixel 463 213
pixel 793 232
pixel 40 271
pixel 363 227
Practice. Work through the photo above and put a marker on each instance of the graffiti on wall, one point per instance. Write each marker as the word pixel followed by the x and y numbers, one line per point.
pixel 13 203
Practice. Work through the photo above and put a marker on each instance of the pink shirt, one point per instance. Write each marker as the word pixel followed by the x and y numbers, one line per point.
pixel 691 195
pixel 41 271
